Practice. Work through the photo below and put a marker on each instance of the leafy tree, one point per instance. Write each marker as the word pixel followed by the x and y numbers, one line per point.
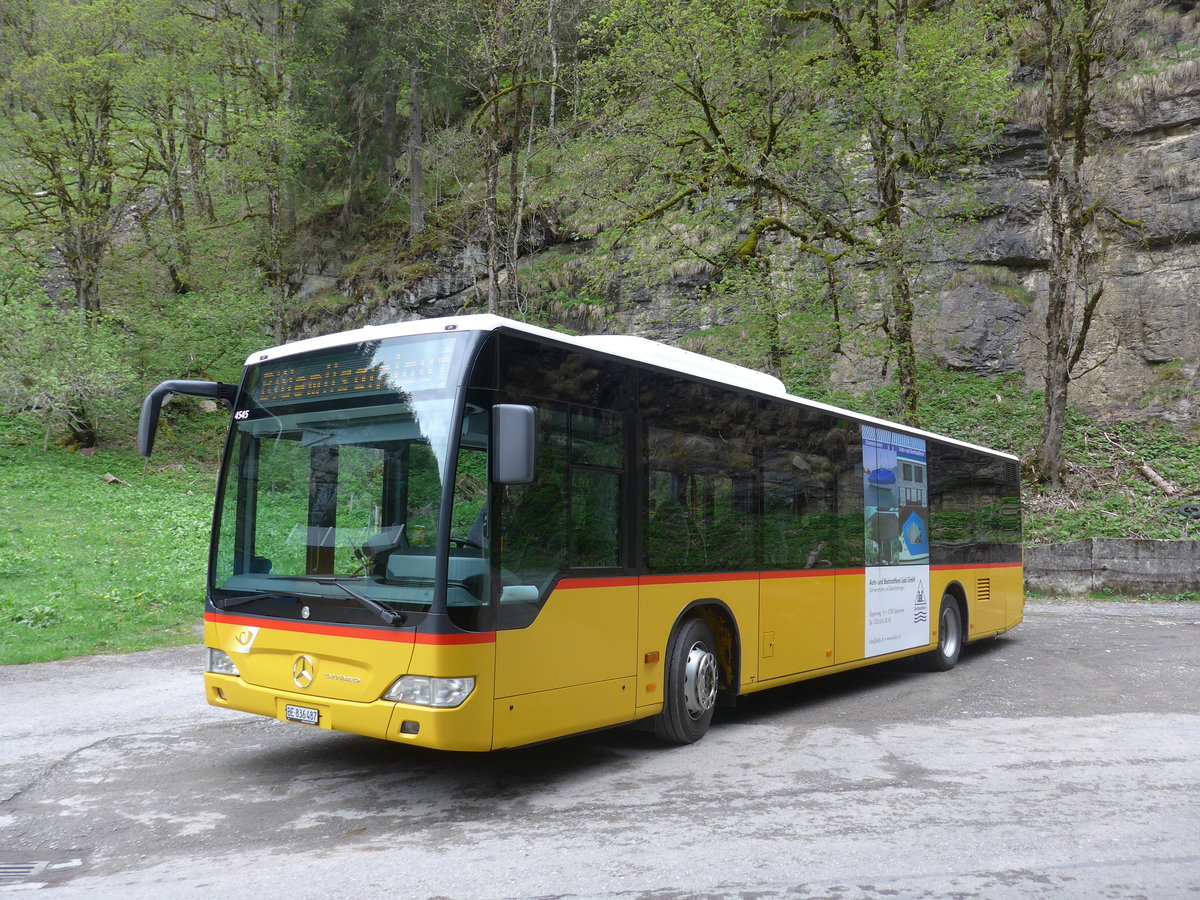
pixel 822 123
pixel 72 165
pixel 359 65
pixel 56 362
pixel 260 131
pixel 504 47
pixel 1078 42
pixel 925 86
pixel 167 93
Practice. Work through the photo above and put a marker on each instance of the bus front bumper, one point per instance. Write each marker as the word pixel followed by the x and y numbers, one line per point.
pixel 464 728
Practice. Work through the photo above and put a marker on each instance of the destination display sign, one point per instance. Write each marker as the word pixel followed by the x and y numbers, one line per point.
pixel 406 365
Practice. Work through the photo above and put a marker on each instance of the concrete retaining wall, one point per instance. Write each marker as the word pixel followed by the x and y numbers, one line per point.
pixel 1120 566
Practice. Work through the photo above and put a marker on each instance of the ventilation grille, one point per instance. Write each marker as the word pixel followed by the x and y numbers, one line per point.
pixel 983 589
pixel 13 874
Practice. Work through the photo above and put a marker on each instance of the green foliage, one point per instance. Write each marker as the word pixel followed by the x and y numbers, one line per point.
pixel 55 362
pixel 206 334
pixel 690 98
pixel 1107 494
pixel 87 566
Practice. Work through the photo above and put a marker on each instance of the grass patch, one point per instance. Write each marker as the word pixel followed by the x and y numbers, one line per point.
pixel 1107 495
pixel 92 567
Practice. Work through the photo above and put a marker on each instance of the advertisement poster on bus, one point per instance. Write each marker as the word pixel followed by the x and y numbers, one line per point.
pixel 896 521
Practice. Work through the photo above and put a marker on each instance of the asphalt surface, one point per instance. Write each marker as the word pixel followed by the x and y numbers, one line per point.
pixel 1061 760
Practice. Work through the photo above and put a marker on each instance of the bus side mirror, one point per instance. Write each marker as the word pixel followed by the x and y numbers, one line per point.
pixel 152 405
pixel 514 443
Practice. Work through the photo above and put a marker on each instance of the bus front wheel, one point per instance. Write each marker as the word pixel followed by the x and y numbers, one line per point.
pixel 950 637
pixel 692 677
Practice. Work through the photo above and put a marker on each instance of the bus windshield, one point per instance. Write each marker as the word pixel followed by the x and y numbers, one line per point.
pixel 333 483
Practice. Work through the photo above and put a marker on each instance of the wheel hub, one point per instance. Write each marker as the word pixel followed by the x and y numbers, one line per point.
pixel 949 633
pixel 700 681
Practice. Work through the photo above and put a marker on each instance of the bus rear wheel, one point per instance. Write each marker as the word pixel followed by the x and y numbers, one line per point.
pixel 950 637
pixel 692 678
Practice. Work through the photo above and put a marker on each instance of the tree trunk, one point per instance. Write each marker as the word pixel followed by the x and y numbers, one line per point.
pixel 491 222
pixel 1070 59
pixel 1060 317
pixel 906 356
pixel 416 169
pixel 385 174
pixel 896 262
pixel 181 242
pixel 516 201
pixel 352 205
pixel 195 126
pixel 554 68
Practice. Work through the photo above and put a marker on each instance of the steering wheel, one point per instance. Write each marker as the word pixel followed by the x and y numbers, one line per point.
pixel 465 542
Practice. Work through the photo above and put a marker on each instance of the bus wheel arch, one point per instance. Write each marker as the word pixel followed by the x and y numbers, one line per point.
pixel 700 670
pixel 952 631
pixel 959 593
pixel 729 643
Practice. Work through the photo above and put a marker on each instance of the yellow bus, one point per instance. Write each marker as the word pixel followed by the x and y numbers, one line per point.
pixel 470 533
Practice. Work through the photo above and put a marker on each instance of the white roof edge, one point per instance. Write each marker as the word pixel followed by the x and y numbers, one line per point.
pixel 477 322
pixel 626 346
pixel 667 356
pixel 908 429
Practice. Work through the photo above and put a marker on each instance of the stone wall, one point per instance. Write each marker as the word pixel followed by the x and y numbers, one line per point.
pixel 1130 567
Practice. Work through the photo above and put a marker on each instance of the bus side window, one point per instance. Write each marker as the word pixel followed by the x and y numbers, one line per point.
pixel 533 517
pixel 597 464
pixel 799 489
pixel 702 510
pixel 974 504
pixel 570 515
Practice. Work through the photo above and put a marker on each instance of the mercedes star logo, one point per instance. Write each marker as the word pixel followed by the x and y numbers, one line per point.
pixel 303 671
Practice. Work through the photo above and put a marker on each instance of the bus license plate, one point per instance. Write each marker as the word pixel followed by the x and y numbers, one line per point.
pixel 301 714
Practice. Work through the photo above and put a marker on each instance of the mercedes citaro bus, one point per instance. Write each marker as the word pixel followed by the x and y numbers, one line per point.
pixel 470 533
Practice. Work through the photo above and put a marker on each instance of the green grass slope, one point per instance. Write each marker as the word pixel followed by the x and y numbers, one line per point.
pixel 88 566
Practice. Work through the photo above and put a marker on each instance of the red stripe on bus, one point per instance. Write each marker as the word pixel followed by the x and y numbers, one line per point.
pixel 810 573
pixel 699 579
pixel 959 566
pixel 575 584
pixel 364 633
pixel 572 584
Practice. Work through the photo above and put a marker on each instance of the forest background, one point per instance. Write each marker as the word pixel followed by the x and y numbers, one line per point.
pixel 827 190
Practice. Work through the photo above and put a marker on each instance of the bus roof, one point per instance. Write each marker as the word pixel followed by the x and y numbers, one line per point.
pixel 627 347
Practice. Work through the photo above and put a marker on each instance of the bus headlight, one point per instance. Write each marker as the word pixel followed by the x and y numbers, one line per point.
pixel 220 663
pixel 424 690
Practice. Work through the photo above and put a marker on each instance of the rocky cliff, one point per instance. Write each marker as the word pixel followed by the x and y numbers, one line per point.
pixel 986 311
pixel 1143 352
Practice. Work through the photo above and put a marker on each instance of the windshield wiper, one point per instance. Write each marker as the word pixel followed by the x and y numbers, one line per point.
pixel 230 603
pixel 389 616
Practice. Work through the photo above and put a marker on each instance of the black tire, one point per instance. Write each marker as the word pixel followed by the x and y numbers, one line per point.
pixel 950 638
pixel 692 678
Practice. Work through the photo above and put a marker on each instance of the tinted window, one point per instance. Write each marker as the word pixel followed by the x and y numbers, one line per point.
pixel 974 506
pixel 569 517
pixel 538 370
pixel 702 503
pixel 805 466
